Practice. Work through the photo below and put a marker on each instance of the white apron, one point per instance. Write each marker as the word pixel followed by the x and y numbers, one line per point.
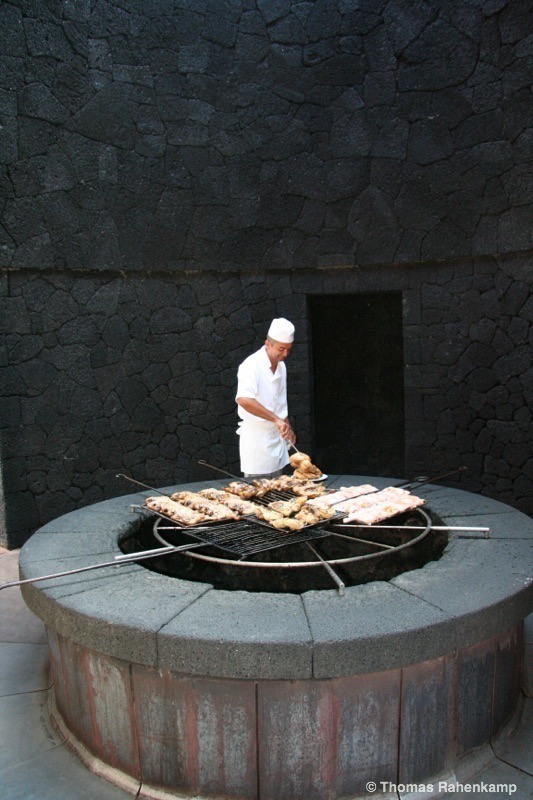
pixel 261 448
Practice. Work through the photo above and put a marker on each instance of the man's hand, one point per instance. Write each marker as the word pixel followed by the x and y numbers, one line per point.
pixel 283 427
pixel 285 430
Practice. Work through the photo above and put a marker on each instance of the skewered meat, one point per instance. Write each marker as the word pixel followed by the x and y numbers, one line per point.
pixel 175 511
pixel 209 507
pixel 243 507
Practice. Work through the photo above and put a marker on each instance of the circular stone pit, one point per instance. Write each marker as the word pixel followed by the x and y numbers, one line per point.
pixel 176 687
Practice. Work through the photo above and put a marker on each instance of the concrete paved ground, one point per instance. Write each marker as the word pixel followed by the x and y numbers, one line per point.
pixel 36 764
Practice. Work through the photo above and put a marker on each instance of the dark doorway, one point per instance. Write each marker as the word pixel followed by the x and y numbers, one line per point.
pixel 357 357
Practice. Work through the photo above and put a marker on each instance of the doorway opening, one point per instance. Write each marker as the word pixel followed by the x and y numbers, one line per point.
pixel 358 382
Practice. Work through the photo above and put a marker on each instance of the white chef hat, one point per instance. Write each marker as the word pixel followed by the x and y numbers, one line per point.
pixel 281 330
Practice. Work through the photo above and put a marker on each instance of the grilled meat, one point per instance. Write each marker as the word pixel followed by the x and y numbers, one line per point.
pixel 288 524
pixel 269 515
pixel 246 490
pixel 310 515
pixel 208 507
pixel 177 512
pixel 241 489
pixel 288 507
pixel 309 489
pixel 242 507
pixel 341 498
pixel 304 467
pixel 381 505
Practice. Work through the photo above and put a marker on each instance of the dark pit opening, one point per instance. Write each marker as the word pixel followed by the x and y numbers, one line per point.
pixel 297 580
pixel 358 394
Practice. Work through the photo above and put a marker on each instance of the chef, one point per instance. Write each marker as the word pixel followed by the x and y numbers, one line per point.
pixel 264 429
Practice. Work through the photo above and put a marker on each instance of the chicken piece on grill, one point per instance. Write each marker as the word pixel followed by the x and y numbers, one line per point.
pixel 288 507
pixel 269 515
pixel 288 524
pixel 283 482
pixel 309 489
pixel 323 512
pixel 242 490
pixel 209 507
pixel 177 512
pixel 310 515
pixel 237 504
pixel 263 485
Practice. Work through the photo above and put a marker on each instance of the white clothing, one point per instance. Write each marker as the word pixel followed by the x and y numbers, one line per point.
pixel 262 450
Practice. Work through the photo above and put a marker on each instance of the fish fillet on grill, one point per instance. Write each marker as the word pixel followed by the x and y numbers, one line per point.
pixel 177 512
pixel 233 501
pixel 209 507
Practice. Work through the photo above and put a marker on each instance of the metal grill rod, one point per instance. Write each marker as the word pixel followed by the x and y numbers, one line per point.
pixel 116 563
pixel 340 585
pixel 307 564
pixel 145 485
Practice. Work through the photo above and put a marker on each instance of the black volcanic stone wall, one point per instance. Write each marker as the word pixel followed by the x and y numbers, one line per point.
pixel 137 374
pixel 199 133
pixel 175 173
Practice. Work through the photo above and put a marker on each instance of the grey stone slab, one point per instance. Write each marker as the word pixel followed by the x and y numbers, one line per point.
pixel 24 732
pixel 485 585
pixel 456 502
pixel 374 627
pixel 336 481
pixel 44 547
pixel 239 634
pixel 501 525
pixel 89 520
pixel 23 668
pixel 122 618
pixel 43 596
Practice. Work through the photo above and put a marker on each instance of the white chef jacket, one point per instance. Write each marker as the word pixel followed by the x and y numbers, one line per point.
pixel 261 448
